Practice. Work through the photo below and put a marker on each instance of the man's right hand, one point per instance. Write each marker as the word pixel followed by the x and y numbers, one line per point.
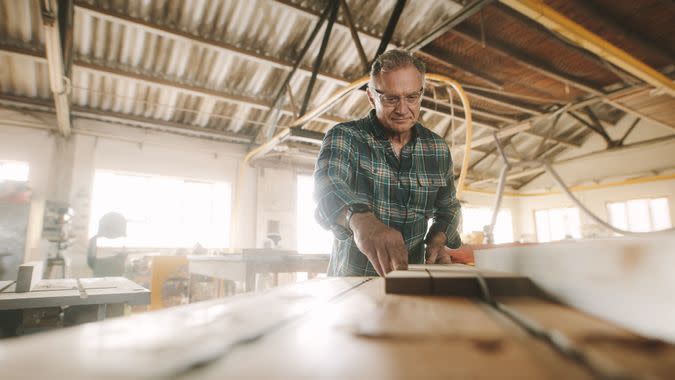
pixel 383 245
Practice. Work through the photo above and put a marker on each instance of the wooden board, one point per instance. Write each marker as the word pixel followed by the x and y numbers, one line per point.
pixel 65 292
pixel 372 335
pixel 628 281
pixel 457 280
pixel 335 328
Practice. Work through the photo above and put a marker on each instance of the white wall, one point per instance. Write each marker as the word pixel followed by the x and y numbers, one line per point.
pixel 595 201
pixel 488 200
pixel 122 148
pixel 264 194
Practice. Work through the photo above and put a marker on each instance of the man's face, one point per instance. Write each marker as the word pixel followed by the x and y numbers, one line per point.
pixel 397 98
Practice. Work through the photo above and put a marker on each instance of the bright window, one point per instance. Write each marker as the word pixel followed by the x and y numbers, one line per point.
pixel 14 171
pixel 163 211
pixel 557 224
pixel 311 237
pixel 640 215
pixel 475 218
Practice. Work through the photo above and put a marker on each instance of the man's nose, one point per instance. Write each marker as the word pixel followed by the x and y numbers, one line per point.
pixel 401 106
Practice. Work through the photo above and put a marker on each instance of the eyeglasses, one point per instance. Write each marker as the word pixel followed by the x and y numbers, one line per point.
pixel 392 100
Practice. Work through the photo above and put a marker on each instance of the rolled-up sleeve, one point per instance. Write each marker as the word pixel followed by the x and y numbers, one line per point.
pixel 333 174
pixel 447 212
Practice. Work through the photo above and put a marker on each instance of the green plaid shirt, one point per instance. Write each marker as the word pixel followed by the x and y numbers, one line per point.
pixel 356 164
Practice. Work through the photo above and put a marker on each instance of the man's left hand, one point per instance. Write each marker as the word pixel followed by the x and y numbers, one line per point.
pixel 440 254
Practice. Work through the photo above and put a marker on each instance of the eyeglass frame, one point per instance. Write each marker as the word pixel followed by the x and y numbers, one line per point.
pixel 391 103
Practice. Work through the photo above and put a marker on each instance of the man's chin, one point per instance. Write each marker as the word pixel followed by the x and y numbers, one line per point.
pixel 402 126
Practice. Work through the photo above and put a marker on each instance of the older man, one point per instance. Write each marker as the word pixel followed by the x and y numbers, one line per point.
pixel 379 180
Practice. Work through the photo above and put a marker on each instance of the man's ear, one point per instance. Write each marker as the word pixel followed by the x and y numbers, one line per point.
pixel 370 97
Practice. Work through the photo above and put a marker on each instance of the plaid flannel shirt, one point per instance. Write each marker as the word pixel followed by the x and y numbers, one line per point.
pixel 356 164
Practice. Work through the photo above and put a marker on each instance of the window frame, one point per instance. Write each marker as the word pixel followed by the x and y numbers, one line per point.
pixel 649 210
pixel 228 203
pixel 548 210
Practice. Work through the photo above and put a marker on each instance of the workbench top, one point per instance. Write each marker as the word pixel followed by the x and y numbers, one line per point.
pixel 67 292
pixel 336 328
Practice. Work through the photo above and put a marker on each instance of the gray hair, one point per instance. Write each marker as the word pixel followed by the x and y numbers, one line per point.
pixel 393 60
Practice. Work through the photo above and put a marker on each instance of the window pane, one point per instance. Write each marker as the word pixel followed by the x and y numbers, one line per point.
pixel 638 215
pixel 13 171
pixel 504 229
pixel 660 214
pixel 541 221
pixel 618 216
pixel 163 212
pixel 474 219
pixel 572 223
pixel 311 237
pixel 557 224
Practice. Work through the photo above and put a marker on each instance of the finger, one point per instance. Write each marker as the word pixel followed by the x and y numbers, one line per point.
pixel 444 258
pixel 398 255
pixel 432 255
pixel 376 264
pixel 385 261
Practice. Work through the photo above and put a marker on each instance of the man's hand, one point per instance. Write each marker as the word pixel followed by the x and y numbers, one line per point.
pixel 383 245
pixel 439 253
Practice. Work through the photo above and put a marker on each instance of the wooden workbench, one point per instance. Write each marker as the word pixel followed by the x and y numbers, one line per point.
pixel 334 328
pixel 245 266
pixel 85 300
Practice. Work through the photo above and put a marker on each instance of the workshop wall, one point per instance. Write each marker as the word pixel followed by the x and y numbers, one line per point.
pixel 596 201
pixel 277 202
pixel 123 149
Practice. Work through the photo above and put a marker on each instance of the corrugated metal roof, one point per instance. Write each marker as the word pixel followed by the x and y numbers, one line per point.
pixel 218 65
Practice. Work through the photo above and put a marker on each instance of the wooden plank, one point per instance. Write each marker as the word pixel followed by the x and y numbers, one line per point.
pixel 628 281
pixel 368 334
pixel 457 280
pixel 338 328
pixel 616 348
pixel 412 281
pixel 167 342
pixel 65 292
pixel 28 276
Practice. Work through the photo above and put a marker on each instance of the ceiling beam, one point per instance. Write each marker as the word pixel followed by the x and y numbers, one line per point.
pixel 634 146
pixel 390 28
pixel 248 54
pixel 528 123
pixel 443 108
pixel 347 15
pixel 456 19
pixel 66 18
pixel 451 65
pixel 608 20
pixel 55 64
pixel 148 79
pixel 533 25
pixel 496 100
pixel 333 7
pixel 521 57
pixel 555 21
pixel 177 34
pixel 44 105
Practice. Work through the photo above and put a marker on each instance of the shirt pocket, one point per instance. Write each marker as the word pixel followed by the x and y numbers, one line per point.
pixel 424 195
pixel 364 180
